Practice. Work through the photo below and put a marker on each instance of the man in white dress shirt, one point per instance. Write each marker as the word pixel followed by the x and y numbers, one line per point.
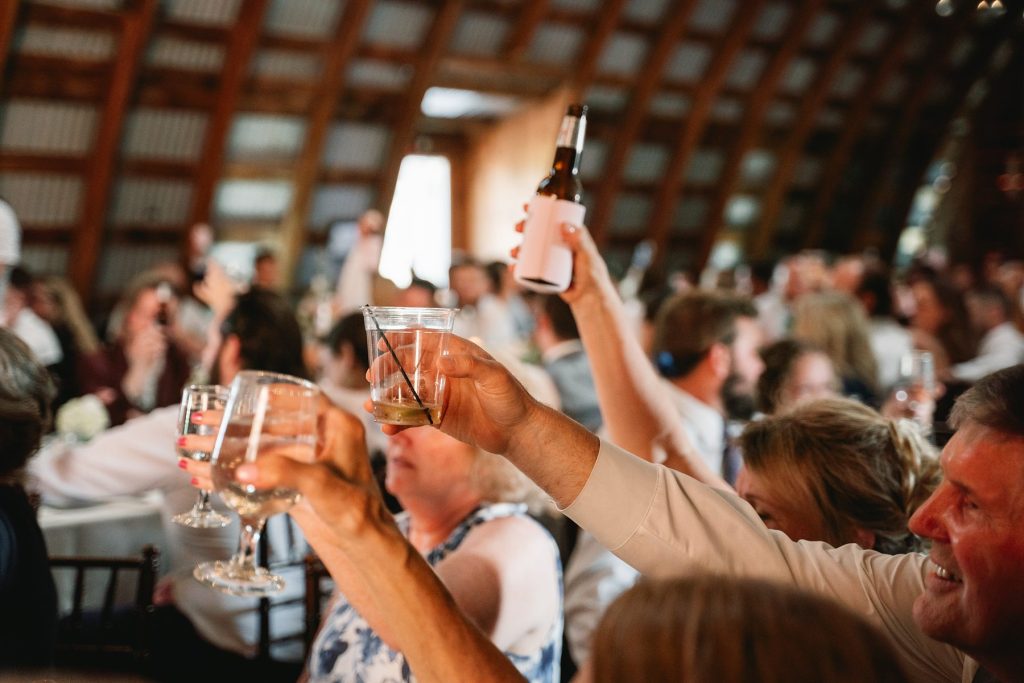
pixel 1002 344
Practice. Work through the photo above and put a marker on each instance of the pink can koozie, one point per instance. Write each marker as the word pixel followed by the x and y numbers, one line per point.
pixel 545 262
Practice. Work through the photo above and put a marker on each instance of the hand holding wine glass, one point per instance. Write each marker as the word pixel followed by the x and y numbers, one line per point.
pixel 196 400
pixel 266 414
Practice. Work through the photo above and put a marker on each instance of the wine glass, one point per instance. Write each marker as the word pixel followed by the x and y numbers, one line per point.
pixel 200 398
pixel 916 387
pixel 267 413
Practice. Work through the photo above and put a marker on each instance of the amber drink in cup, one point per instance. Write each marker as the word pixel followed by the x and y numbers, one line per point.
pixel 405 345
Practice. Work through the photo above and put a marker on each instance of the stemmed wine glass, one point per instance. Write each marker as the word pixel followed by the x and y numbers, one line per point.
pixel 917 388
pixel 200 398
pixel 267 413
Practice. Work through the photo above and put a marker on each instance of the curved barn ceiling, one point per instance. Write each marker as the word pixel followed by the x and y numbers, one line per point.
pixel 782 123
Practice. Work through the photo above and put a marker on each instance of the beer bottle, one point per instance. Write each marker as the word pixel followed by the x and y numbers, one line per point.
pixel 545 262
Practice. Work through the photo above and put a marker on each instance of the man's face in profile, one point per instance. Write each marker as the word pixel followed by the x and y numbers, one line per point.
pixel 974 590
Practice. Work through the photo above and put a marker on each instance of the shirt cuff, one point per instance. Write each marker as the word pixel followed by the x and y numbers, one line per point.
pixel 617 496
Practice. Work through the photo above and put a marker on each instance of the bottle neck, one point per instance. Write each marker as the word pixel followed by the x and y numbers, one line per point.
pixel 566 159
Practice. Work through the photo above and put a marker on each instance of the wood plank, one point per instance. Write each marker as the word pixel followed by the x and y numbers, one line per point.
pixel 600 31
pixel 404 130
pixel 75 17
pixel 530 16
pixel 37 163
pixel 8 20
pixel 307 167
pixel 237 57
pixel 346 176
pixel 695 123
pixel 751 130
pixel 1001 32
pixel 764 230
pixel 636 113
pixel 204 33
pixel 136 26
pixel 839 159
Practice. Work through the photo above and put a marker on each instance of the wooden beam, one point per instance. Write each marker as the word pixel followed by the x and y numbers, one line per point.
pixel 696 120
pixel 607 20
pixel 404 130
pixel 237 56
pixel 752 128
pixel 336 58
pixel 885 238
pixel 774 197
pixel 839 159
pixel 77 17
pixel 636 112
pixel 530 16
pixel 896 142
pixel 135 29
pixel 8 20
pixel 29 163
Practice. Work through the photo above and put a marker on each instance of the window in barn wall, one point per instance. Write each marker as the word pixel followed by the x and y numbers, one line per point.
pixel 418 238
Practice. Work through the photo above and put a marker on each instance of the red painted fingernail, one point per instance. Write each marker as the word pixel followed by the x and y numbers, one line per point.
pixel 194 481
pixel 197 416
pixel 181 441
pixel 183 463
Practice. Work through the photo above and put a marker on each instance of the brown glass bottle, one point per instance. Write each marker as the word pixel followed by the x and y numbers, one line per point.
pixel 545 262
pixel 563 181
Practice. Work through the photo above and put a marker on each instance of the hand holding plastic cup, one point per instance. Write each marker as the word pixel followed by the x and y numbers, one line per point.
pixel 405 345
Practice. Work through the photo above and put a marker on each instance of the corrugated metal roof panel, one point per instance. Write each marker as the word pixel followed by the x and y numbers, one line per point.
pixel 46 127
pixel 893 89
pixel 121 263
pixel 43 199
pixel 397 24
pixel 577 5
pixel 772 21
pixel 209 12
pixel 727 110
pixel 645 162
pixel 688 63
pixel 690 214
pixel 479 33
pixel 555 44
pixel 185 54
pixel 164 134
pixel 779 114
pixel 847 82
pixel 592 162
pixel 607 98
pixel 150 201
pixel 356 146
pixel 93 4
pixel 741 210
pixel 807 172
pixel 378 74
pixel 705 167
pixel 307 18
pixel 872 38
pixel 830 117
pixel 265 136
pixel 798 75
pixel 670 104
pixel 623 54
pixel 823 29
pixel 757 167
pixel 645 10
pixel 339 202
pixel 45 259
pixel 52 41
pixel 631 212
pixel 252 199
pixel 713 15
pixel 286 64
pixel 746 69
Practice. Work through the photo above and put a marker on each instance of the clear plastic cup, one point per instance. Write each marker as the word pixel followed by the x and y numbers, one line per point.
pixel 405 345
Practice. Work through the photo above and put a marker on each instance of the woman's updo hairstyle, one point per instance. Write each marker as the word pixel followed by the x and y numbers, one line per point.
pixel 26 392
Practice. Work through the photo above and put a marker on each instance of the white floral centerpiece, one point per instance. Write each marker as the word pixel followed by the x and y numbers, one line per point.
pixel 82 418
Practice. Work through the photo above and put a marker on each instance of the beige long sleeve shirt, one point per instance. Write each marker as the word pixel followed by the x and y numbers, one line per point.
pixel 665 523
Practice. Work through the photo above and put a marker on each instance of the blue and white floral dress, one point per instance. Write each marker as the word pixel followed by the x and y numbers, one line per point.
pixel 348 650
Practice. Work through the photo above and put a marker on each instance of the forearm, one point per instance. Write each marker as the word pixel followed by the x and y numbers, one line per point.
pixel 440 643
pixel 637 414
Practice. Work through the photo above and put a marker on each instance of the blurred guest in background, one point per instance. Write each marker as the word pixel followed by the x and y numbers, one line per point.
pixel 794 372
pixel 1002 344
pixel 143 368
pixel 711 628
pixel 28 599
pixel 266 269
pixel 939 322
pixel 562 355
pixel 483 315
pixel 890 341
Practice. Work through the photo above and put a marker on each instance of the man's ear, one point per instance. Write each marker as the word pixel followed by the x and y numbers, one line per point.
pixel 720 359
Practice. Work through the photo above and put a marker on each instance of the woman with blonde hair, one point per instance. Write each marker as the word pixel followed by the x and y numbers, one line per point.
pixel 836 323
pixel 710 628
pixel 835 470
